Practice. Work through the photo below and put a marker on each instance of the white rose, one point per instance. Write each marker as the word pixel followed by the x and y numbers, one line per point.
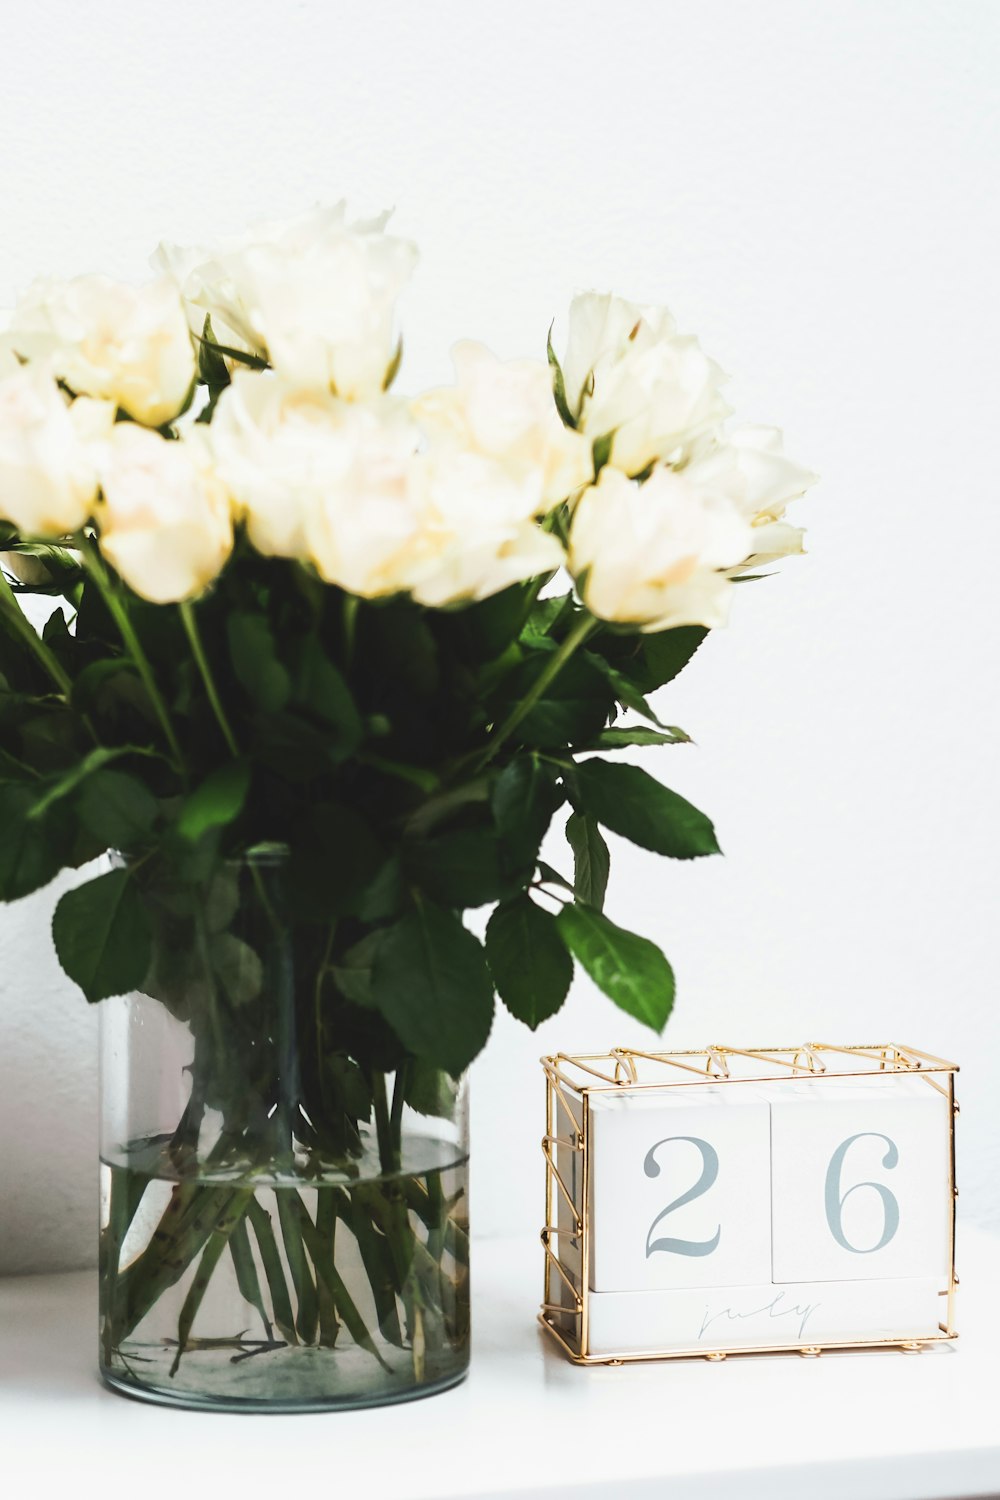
pixel 314 295
pixel 283 451
pixel 653 392
pixel 506 411
pixel 342 484
pixel 125 344
pixel 48 452
pixel 444 525
pixel 751 470
pixel 476 533
pixel 652 554
pixel 165 522
pixel 601 325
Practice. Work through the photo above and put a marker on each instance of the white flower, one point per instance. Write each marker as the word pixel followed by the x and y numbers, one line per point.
pixel 506 411
pixel 476 533
pixel 635 380
pixel 342 484
pixel 104 338
pixel 601 326
pixel 165 522
pixel 48 452
pixel 283 451
pixel 314 295
pixel 751 470
pixel 651 554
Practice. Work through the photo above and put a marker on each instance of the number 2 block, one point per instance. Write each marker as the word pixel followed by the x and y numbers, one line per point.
pixel 860 1185
pixel 680 1185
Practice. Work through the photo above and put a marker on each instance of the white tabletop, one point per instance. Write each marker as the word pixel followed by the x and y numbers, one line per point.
pixel 879 1425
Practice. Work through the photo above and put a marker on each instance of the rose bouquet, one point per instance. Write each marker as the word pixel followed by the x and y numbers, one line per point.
pixel 320 664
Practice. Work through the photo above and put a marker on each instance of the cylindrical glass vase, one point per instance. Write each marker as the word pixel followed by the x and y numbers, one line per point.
pixel 283 1196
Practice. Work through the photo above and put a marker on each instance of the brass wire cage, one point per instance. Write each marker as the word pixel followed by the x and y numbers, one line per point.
pixel 571 1081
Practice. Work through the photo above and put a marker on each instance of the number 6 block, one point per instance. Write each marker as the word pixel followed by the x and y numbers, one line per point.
pixel 859 1180
pixel 733 1201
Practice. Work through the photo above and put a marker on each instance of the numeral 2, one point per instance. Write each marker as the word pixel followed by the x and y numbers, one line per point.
pixel 709 1172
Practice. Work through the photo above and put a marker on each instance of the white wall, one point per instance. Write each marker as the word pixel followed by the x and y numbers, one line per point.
pixel 812 188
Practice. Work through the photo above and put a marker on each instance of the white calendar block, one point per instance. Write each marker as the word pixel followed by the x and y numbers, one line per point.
pixel 679 1188
pixel 797 1315
pixel 860 1186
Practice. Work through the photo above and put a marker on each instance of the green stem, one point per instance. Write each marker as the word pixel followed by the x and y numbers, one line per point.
pixel 133 646
pixel 274 1271
pixel 584 627
pixel 31 638
pixel 387 1144
pixel 290 1223
pixel 201 662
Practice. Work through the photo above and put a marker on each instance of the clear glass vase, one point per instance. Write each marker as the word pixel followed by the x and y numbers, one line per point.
pixel 283 1197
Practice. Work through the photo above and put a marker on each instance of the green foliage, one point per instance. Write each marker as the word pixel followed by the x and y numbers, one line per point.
pixel 431 983
pixel 591 857
pixel 559 384
pixel 629 969
pixel 631 802
pixel 102 935
pixel 572 709
pixel 217 801
pixel 528 959
pixel 667 653
pixel 404 765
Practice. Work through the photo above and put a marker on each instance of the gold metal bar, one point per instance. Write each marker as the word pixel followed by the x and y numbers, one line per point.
pixel 557 1175
pixel 668 1059
pixel 952 1113
pixel 657 1354
pixel 583 1214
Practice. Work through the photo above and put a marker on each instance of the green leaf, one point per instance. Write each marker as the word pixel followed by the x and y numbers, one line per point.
pixel 572 708
pixel 429 1090
pixel 602 451
pixel 432 984
pixel 629 969
pixel 482 630
pixel 212 369
pixel 385 893
pixel 559 384
pixel 531 967
pixel 618 739
pixel 552 877
pixel 31 851
pixel 237 967
pixel 116 809
pixel 631 802
pixel 217 801
pixel 352 974
pixel 255 660
pixel 445 805
pixel 392 369
pixel 72 778
pixel 353 971
pixel 102 936
pixel 525 797
pixel 460 868
pixel 666 653
pixel 323 693
pixel 625 690
pixel 592 858
pixel 546 617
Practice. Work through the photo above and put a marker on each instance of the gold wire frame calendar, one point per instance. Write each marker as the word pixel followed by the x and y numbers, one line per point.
pixel 571 1084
